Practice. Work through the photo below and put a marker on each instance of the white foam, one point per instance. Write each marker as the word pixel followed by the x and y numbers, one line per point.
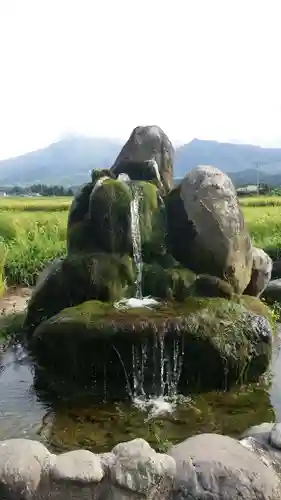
pixel 123 178
pixel 133 302
pixel 155 406
pixel 161 405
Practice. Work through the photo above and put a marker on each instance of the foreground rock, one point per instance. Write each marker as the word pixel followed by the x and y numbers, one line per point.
pixel 206 229
pixel 210 466
pixel 95 341
pixel 265 441
pixel 272 293
pixel 204 467
pixel 147 143
pixel 261 273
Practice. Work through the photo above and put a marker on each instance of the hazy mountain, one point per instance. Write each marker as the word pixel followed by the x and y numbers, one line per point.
pixel 227 157
pixel 64 162
pixel 68 161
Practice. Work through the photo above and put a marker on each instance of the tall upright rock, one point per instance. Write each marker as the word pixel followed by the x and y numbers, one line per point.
pixel 206 229
pixel 145 144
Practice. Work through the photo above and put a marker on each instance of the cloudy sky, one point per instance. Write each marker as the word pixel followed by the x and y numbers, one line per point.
pixel 198 68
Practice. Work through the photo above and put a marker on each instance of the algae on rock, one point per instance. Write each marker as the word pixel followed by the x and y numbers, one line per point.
pixel 222 342
pixel 78 278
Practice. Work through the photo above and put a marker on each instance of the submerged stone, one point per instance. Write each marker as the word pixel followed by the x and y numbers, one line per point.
pixel 210 343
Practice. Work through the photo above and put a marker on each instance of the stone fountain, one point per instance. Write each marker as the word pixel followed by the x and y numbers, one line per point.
pixel 149 298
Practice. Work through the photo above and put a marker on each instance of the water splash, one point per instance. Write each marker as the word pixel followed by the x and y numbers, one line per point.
pixel 156 370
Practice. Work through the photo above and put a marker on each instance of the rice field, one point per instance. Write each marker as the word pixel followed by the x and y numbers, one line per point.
pixel 33 232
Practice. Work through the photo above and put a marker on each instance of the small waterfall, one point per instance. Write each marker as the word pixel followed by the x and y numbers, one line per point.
pixel 138 300
pixel 136 239
pixel 157 369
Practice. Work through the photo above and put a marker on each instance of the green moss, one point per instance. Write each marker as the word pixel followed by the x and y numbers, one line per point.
pixel 79 278
pixel 97 174
pixel 85 424
pixel 257 306
pixel 167 283
pixel 211 286
pixel 11 325
pixel 221 344
pixel 109 212
pixel 81 238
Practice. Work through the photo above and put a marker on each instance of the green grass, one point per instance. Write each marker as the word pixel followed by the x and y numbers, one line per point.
pixel 40 204
pixel 260 201
pixel 33 232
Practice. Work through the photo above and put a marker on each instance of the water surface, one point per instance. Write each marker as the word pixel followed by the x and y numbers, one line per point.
pixel 64 425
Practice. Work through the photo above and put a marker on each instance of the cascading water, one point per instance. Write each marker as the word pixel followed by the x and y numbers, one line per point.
pixel 138 300
pixel 136 240
pixel 156 366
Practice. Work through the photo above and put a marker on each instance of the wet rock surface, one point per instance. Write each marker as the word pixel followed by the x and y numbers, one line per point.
pixel 96 338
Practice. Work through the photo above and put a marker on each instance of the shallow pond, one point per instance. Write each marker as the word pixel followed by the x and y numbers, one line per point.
pixel 62 425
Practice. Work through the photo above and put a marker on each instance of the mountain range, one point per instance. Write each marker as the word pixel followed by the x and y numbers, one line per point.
pixel 68 161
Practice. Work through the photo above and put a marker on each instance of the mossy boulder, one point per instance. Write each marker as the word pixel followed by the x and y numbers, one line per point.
pixel 210 286
pixel 80 234
pixel 173 283
pixel 76 279
pixel 201 343
pixel 206 228
pixel 110 216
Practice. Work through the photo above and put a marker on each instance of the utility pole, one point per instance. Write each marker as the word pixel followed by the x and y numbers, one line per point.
pixel 258 178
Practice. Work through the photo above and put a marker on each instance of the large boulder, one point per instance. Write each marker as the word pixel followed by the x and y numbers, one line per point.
pixel 261 273
pixel 106 226
pixel 78 278
pixel 215 467
pixel 175 342
pixel 110 215
pixel 206 228
pixel 144 144
pixel 272 293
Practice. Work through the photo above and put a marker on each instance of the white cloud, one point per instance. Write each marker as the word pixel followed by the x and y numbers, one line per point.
pixel 198 68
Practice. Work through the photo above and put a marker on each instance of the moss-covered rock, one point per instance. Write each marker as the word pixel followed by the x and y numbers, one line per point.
pixel 211 286
pixel 200 343
pixel 170 284
pixel 77 279
pixel 110 217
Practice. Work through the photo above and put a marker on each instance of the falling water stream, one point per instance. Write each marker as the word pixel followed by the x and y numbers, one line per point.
pixel 159 394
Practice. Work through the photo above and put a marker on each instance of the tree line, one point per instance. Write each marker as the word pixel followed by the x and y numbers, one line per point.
pixel 41 189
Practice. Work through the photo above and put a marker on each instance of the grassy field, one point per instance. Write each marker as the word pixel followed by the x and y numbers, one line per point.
pixel 33 232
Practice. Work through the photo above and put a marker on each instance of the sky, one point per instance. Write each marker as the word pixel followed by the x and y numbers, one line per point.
pixel 208 69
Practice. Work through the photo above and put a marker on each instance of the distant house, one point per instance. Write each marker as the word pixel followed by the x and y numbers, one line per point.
pixel 3 193
pixel 252 189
